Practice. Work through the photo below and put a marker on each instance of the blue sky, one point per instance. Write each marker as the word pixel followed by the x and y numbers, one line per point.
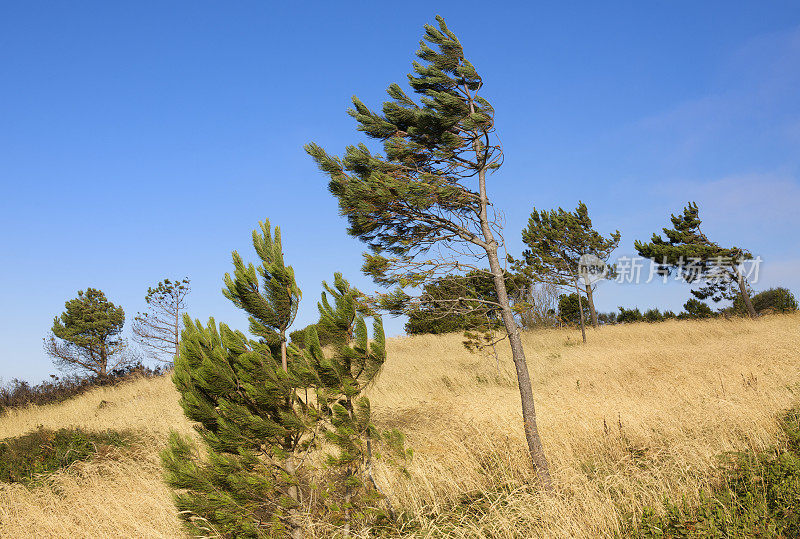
pixel 145 140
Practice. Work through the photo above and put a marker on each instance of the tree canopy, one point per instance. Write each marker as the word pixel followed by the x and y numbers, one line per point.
pixel 85 336
pixel 685 249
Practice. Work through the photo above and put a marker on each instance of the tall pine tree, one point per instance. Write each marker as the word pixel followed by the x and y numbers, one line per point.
pixel 423 206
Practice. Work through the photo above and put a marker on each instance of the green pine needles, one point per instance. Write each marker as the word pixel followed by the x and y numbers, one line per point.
pixel 422 205
pixel 686 250
pixel 287 433
pixel 555 241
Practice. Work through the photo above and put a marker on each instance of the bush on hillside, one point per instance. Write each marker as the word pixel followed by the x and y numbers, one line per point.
pixel 775 300
pixel 694 309
pixel 758 496
pixel 627 316
pixel 569 310
pixel 607 318
pixel 24 458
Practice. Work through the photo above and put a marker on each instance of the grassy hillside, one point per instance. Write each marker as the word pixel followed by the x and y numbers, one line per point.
pixel 639 413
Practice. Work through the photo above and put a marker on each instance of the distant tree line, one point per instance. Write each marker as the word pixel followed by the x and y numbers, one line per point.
pixel 85 340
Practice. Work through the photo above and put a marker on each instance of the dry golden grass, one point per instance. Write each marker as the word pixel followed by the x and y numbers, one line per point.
pixel 637 414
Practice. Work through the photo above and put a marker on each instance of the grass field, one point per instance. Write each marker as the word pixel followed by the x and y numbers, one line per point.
pixel 639 413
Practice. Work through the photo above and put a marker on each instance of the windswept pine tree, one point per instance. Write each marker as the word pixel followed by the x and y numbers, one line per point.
pixel 686 250
pixel 262 410
pixel 556 240
pixel 423 207
pixel 272 313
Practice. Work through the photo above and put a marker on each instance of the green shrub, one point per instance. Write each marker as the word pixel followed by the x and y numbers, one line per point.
pixel 758 496
pixel 653 315
pixel 42 451
pixel 626 316
pixel 776 300
pixel 569 308
pixel 695 309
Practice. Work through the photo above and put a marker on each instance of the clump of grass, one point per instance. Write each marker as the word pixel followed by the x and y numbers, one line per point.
pixel 25 458
pixel 757 496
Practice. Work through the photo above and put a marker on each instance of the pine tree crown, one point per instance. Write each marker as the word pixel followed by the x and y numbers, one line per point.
pixel 415 195
pixel 273 303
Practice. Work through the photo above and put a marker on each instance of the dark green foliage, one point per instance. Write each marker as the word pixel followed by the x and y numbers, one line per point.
pixel 696 309
pixel 412 196
pixel 627 316
pixel 298 337
pixel 555 240
pixel 757 496
pixel 259 416
pixel 774 300
pixel 445 304
pixel 653 315
pixel 42 451
pixel 607 318
pixel 569 311
pixel 688 251
pixel 86 335
pixel 418 193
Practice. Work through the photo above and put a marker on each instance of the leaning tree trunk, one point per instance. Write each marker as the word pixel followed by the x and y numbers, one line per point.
pixel 743 291
pixel 580 308
pixel 540 465
pixel 592 310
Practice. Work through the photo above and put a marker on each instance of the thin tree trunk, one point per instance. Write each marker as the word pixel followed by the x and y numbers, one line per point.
pixel 540 464
pixel 284 361
pixel 592 310
pixel 743 291
pixel 293 491
pixel 580 308
pixel 103 361
pixel 177 332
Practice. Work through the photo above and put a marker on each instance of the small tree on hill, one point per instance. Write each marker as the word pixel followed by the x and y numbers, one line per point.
pixel 86 335
pixel 556 240
pixel 423 207
pixel 689 252
pixel 159 329
pixel 629 316
pixel 262 407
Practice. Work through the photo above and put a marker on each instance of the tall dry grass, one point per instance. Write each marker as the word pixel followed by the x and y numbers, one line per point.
pixel 638 413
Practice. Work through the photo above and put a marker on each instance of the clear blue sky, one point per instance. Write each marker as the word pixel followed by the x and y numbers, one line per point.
pixel 144 140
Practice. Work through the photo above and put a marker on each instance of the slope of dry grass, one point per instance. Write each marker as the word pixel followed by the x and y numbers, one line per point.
pixel 637 414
